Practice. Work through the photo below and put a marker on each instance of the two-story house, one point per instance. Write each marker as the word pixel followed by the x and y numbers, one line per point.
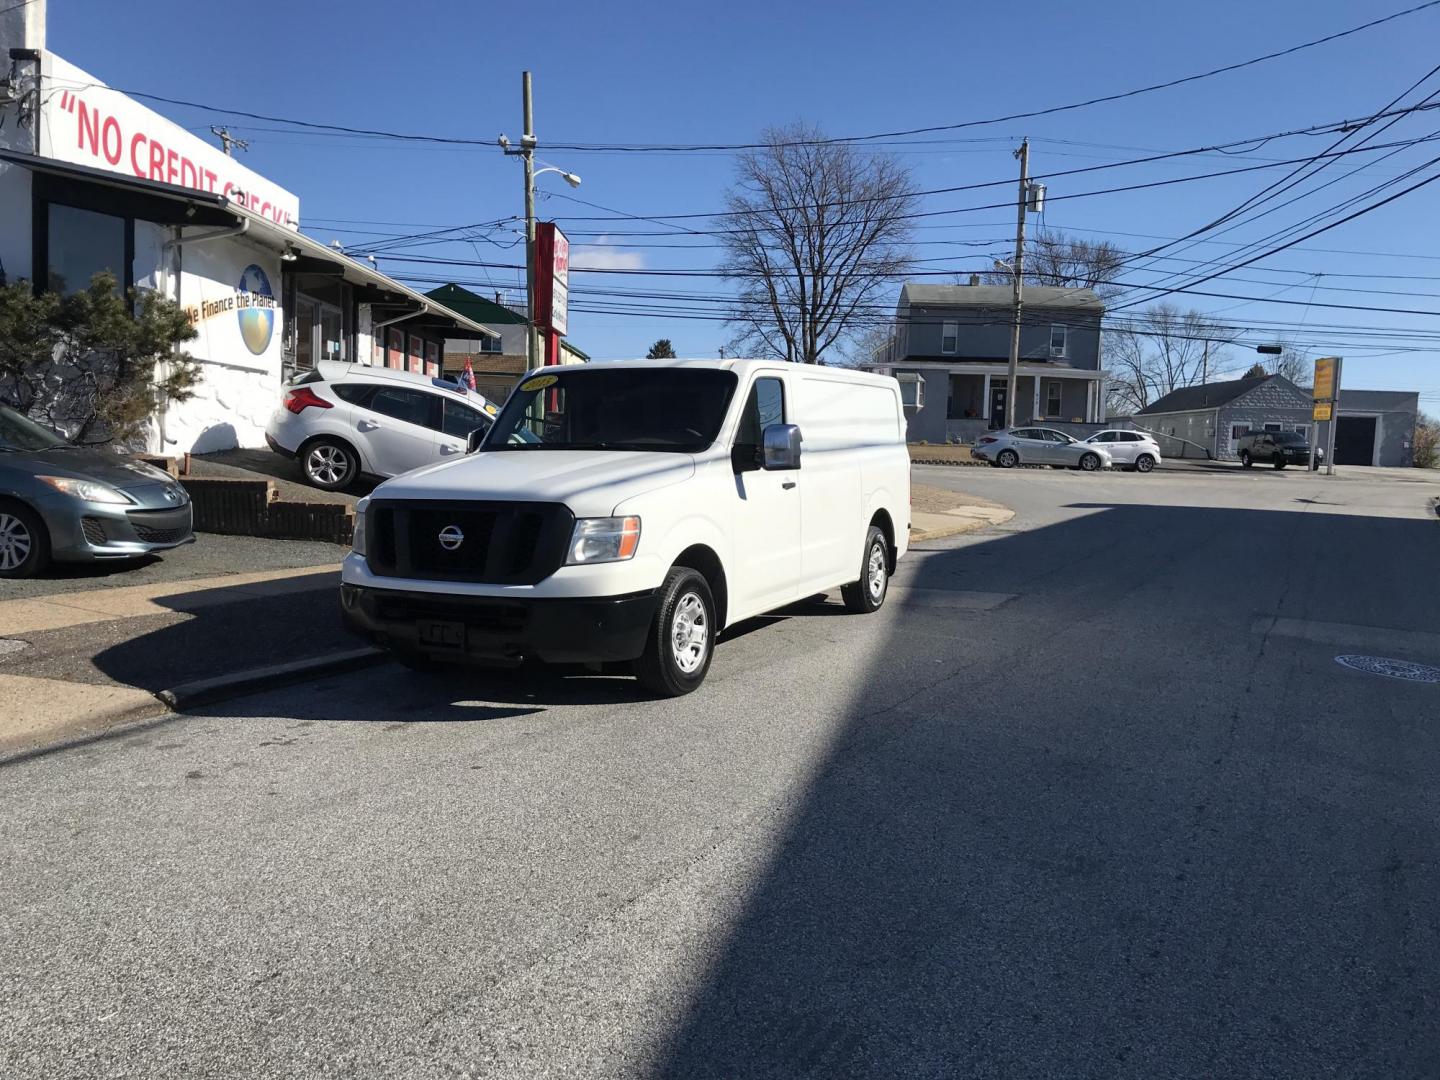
pixel 951 348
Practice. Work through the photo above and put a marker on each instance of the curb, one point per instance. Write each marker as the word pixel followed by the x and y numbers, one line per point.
pixel 111 725
pixel 238 684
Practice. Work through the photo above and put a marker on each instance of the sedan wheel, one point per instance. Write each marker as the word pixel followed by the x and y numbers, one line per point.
pixel 1007 459
pixel 1090 462
pixel 24 543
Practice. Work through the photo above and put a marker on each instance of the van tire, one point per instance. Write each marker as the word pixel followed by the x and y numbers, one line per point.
pixel 328 463
pixel 685 603
pixel 868 592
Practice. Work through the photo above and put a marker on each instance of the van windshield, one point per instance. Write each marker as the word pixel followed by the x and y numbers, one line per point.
pixel 676 410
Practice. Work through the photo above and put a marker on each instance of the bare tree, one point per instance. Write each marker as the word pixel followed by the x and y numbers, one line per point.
pixel 1293 365
pixel 1162 350
pixel 817 233
pixel 1069 262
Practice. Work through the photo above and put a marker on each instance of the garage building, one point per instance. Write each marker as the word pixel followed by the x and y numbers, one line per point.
pixel 1375 427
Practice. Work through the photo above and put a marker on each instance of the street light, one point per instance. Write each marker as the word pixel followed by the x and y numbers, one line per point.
pixel 527 154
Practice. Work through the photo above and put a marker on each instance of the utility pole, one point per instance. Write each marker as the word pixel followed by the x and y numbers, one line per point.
pixel 227 140
pixel 1205 363
pixel 1013 383
pixel 527 151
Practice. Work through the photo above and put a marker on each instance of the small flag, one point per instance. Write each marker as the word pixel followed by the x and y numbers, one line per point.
pixel 467 377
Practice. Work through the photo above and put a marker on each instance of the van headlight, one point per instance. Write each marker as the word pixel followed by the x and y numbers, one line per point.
pixel 357 543
pixel 609 539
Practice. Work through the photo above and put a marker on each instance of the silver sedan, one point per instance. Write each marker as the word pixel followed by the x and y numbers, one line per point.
pixel 1040 446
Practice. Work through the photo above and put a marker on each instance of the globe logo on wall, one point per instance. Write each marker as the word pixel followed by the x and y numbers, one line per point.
pixel 257 311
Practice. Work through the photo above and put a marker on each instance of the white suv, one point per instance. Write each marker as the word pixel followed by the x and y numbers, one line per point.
pixel 1130 450
pixel 341 420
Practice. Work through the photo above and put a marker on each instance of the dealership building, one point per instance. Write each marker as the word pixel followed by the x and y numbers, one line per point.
pixel 92 180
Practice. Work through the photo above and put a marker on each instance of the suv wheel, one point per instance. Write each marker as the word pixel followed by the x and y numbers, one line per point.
pixel 682 637
pixel 1278 461
pixel 1144 463
pixel 329 464
pixel 1007 459
pixel 1245 459
pixel 868 592
pixel 24 542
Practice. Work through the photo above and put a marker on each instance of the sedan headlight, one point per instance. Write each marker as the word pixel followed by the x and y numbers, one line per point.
pixel 89 490
pixel 609 539
pixel 357 543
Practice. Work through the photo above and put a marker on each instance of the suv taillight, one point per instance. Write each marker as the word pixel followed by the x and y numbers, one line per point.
pixel 302 398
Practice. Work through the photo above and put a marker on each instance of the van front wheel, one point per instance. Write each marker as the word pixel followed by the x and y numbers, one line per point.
pixel 682 636
pixel 868 593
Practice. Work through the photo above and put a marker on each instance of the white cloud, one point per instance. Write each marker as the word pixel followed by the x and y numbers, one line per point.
pixel 601 256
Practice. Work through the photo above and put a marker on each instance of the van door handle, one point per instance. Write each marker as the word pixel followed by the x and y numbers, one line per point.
pixel 788 484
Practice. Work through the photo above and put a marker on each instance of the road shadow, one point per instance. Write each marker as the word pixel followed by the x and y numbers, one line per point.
pixel 1125 838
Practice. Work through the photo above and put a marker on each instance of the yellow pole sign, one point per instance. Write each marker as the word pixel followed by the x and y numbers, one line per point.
pixel 1323 410
pixel 1325 379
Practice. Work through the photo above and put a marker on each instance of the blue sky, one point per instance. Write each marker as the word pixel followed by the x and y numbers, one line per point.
pixel 627 72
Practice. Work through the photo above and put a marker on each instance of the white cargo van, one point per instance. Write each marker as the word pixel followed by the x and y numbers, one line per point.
pixel 630 510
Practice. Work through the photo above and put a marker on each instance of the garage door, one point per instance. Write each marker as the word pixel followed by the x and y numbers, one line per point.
pixel 1355 441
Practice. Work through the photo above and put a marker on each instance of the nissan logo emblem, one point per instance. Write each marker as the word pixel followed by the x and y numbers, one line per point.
pixel 451 537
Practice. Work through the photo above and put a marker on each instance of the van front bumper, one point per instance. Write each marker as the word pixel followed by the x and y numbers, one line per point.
pixel 565 630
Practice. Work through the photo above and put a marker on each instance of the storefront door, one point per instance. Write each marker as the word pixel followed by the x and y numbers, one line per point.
pixel 319 332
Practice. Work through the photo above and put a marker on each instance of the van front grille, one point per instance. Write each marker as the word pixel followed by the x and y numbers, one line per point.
pixel 492 543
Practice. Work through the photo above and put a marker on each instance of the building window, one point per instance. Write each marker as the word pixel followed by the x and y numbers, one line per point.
pixel 1302 429
pixel 395 356
pixel 1274 427
pixel 1058 335
pixel 1052 400
pixel 1239 431
pixel 949 337
pixel 489 345
pixel 432 359
pixel 912 389
pixel 83 243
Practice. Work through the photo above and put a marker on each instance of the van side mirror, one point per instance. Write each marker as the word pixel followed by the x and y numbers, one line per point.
pixel 745 457
pixel 474 439
pixel 781 447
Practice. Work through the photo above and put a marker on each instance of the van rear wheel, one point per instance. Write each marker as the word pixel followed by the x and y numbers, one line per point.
pixel 868 593
pixel 682 637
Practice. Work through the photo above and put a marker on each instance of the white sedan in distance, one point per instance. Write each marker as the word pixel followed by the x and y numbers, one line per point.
pixel 1039 446
pixel 1131 450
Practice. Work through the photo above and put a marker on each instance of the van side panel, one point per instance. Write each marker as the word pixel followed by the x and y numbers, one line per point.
pixel 851 446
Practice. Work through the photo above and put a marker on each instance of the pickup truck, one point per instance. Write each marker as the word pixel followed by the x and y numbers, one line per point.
pixel 1278 448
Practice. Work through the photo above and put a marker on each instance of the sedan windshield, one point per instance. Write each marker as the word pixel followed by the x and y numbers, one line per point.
pixel 676 410
pixel 19 432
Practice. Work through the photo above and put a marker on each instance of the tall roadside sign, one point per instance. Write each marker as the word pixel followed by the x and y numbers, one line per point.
pixel 552 287
pixel 1325 407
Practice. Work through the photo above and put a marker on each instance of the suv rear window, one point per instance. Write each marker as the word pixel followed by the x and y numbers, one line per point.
pixel 354 393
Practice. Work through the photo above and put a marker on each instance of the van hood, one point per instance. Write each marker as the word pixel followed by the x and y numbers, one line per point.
pixel 590 482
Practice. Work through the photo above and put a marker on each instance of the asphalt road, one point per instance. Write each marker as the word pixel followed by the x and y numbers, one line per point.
pixel 1090 797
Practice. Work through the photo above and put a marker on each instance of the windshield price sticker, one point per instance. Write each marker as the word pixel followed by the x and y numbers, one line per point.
pixel 540 382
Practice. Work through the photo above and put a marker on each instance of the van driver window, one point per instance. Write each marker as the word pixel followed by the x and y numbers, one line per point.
pixel 765 406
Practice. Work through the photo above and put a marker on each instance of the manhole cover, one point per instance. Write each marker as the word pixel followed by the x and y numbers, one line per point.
pixel 1391 669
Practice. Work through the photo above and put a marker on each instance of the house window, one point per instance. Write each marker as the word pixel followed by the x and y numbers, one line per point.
pixel 1052 399
pixel 912 389
pixel 949 337
pixel 1302 429
pixel 80 244
pixel 1274 427
pixel 1239 431
pixel 1058 335
pixel 489 345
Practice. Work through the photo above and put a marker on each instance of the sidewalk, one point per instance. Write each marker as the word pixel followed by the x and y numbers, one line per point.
pixel 937 512
pixel 75 664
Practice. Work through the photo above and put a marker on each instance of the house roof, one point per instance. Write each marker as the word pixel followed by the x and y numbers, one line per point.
pixel 1206 395
pixel 475 306
pixel 1040 296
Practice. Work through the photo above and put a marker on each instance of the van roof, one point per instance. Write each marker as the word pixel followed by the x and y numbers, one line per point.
pixel 740 365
